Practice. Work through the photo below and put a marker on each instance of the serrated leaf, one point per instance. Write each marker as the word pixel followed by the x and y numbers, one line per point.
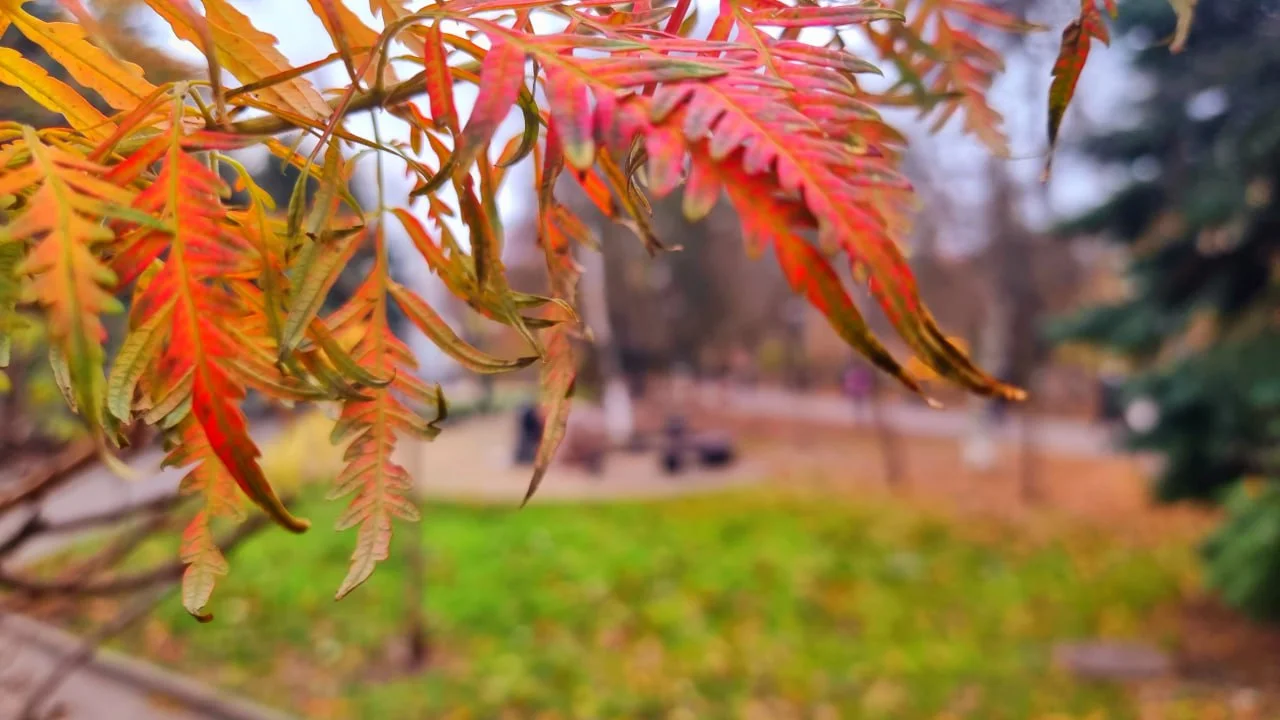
pixel 63 218
pixel 52 94
pixel 346 30
pixel 559 371
pixel 317 269
pixel 501 79
pixel 569 103
pixel 205 564
pixel 1077 38
pixel 203 249
pixel 139 349
pixel 439 81
pixel 439 332
pixel 244 51
pixel 120 83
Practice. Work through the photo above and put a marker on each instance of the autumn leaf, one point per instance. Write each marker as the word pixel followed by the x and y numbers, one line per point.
pixel 244 51
pixel 63 218
pixel 202 249
pixel 501 77
pixel 52 94
pixel 1077 38
pixel 370 426
pixel 1185 10
pixel 120 83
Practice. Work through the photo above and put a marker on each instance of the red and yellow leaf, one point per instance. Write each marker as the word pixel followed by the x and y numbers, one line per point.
pixel 382 488
pixel 202 251
pixel 1077 38
pixel 63 218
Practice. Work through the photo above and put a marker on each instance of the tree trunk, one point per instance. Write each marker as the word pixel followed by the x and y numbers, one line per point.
pixel 885 435
pixel 993 347
pixel 615 393
pixel 417 641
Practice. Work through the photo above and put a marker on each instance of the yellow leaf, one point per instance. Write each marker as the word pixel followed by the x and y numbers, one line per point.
pixel 917 369
pixel 346 30
pixel 52 94
pixel 247 53
pixel 1185 10
pixel 119 83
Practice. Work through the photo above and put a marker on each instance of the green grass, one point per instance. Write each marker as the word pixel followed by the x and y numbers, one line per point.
pixel 701 608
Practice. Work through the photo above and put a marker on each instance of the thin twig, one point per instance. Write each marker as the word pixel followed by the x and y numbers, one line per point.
pixel 32 526
pixel 160 504
pixel 36 524
pixel 37 588
pixel 55 472
pixel 62 467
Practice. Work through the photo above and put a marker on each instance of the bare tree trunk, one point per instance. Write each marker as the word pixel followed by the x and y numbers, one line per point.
pixel 615 394
pixel 417 642
pixel 993 349
pixel 1028 478
pixel 885 435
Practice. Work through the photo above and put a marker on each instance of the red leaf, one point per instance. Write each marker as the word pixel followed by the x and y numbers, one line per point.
pixel 201 249
pixel 501 78
pixel 569 102
pixel 1077 39
pixel 439 80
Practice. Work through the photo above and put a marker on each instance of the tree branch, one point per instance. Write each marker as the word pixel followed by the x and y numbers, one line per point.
pixel 36 524
pixel 36 588
pixel 394 95
pixel 56 472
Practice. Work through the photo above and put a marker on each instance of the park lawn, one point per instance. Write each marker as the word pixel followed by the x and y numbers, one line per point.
pixel 749 604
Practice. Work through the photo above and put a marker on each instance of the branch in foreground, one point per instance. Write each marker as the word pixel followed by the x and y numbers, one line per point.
pixel 36 524
pixel 172 572
pixel 61 468
pixel 51 475
pixel 275 125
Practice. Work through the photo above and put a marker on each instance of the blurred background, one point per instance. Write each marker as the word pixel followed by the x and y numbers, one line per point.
pixel 745 521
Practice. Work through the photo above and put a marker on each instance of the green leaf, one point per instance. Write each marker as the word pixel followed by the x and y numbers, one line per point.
pixel 439 332
pixel 318 267
pixel 136 353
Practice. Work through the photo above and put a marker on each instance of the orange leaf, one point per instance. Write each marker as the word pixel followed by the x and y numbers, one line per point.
pixel 120 83
pixel 52 94
pixel 246 52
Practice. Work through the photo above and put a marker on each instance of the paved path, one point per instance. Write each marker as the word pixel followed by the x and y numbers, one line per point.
pixel 1062 437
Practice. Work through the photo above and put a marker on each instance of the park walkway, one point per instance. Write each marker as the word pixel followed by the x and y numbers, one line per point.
pixel 1065 437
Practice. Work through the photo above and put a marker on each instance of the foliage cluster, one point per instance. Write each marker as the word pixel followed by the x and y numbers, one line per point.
pixel 127 208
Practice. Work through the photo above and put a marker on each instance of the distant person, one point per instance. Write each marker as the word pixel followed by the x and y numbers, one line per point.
pixel 675 445
pixel 528 433
pixel 857 385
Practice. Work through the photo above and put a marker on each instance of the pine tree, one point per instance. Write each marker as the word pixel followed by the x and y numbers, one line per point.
pixel 1200 227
